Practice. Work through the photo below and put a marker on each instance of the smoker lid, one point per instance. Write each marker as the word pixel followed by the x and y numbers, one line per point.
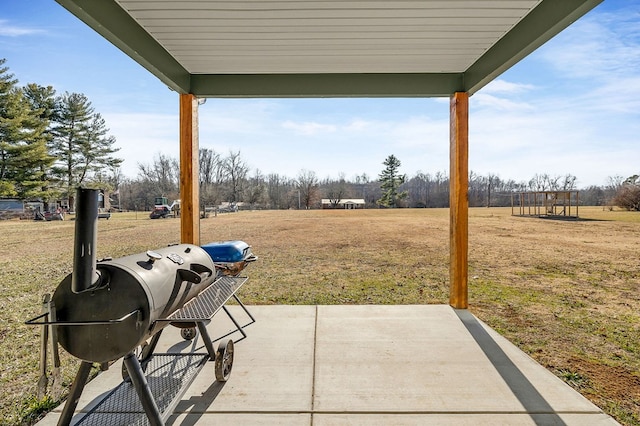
pixel 228 251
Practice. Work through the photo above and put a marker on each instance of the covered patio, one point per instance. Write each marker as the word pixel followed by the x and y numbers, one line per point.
pixel 350 365
pixel 368 48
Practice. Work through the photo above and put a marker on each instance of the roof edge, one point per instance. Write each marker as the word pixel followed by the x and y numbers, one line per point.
pixel 126 35
pixel 544 22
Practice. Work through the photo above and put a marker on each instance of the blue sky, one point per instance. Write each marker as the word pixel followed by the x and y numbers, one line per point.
pixel 571 107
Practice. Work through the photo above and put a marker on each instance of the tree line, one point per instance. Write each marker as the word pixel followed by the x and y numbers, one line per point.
pixel 49 143
pixel 229 179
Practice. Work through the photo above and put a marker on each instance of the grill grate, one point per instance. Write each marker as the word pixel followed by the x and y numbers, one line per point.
pixel 206 304
pixel 168 376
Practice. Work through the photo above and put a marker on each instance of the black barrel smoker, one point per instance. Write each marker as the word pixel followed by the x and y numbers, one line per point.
pixel 109 309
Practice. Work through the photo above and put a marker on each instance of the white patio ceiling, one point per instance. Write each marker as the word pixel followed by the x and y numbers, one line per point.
pixel 327 48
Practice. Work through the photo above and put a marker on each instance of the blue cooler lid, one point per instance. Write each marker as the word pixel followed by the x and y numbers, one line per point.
pixel 227 251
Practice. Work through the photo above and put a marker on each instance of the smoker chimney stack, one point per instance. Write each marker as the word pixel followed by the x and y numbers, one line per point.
pixel 85 276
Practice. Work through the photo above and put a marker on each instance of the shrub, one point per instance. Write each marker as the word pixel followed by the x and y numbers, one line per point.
pixel 628 197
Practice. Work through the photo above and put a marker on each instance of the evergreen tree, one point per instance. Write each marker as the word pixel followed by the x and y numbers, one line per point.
pixel 390 181
pixel 23 149
pixel 80 143
pixel 8 131
pixel 97 150
pixel 42 101
pixel 69 131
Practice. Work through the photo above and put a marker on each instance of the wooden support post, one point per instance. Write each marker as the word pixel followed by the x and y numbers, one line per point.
pixel 459 200
pixel 189 171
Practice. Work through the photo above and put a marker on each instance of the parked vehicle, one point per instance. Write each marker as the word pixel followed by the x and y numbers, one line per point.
pixel 160 212
pixel 162 209
pixel 103 214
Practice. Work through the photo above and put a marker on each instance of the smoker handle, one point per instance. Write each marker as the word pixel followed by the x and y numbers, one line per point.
pixel 251 258
pixel 193 276
pixel 34 321
pixel 190 276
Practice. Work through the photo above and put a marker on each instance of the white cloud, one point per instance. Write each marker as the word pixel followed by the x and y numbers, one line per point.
pixel 8 30
pixel 603 46
pixel 359 125
pixel 309 128
pixel 501 86
pixel 615 96
pixel 482 99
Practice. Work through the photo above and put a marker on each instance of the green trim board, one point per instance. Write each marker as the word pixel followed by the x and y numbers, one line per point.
pixel 326 85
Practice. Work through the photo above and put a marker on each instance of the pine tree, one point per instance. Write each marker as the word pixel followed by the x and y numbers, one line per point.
pixel 98 149
pixel 42 102
pixel 74 112
pixel 23 150
pixel 390 182
pixel 81 143
pixel 9 128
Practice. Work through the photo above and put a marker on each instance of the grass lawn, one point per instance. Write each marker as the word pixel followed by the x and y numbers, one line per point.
pixel 566 292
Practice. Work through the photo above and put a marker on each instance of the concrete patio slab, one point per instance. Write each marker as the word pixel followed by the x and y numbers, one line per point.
pixel 363 365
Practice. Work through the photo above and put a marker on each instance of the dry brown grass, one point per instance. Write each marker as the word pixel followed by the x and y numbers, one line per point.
pixel 566 292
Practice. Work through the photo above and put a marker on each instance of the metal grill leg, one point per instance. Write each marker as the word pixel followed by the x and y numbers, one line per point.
pixel 148 350
pixel 142 389
pixel 56 389
pixel 74 394
pixel 206 339
pixel 44 343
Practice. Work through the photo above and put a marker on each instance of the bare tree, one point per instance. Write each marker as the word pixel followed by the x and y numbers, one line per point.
pixel 545 182
pixel 568 182
pixel 554 182
pixel 441 190
pixel 539 183
pixel 628 196
pixel 256 189
pixel 235 170
pixel 614 183
pixel 307 184
pixel 163 173
pixel 475 190
pixel 336 190
pixel 419 189
pixel 492 181
pixel 210 166
pixel 211 176
pixel 276 190
pixel 361 183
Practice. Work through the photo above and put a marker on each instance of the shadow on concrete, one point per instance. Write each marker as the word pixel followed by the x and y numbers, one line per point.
pixel 533 402
pixel 196 406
